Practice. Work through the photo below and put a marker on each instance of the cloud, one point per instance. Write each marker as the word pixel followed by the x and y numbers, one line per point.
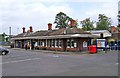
pixel 38 13
pixel 19 13
pixel 107 8
pixel 68 0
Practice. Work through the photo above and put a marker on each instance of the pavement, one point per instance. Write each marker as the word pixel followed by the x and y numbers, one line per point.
pixel 56 52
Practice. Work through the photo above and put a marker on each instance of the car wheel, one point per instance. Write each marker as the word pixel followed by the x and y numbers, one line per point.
pixel 3 53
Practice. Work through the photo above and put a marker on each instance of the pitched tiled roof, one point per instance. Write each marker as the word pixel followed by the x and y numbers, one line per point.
pixel 69 31
pixel 19 35
pixel 42 33
pixel 58 33
pixel 23 34
pixel 61 31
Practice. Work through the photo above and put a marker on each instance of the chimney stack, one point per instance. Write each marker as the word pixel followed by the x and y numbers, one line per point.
pixel 23 29
pixel 31 30
pixel 72 23
pixel 49 26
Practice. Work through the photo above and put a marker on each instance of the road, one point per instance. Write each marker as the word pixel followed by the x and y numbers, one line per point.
pixel 32 63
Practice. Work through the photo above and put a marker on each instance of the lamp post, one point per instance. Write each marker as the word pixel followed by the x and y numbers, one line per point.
pixel 2 38
pixel 9 34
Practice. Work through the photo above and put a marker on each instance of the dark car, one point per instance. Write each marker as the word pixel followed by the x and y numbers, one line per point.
pixel 3 51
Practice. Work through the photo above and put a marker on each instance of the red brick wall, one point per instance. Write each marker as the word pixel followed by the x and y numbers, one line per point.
pixel 64 45
pixel 80 44
pixel 78 48
pixel 56 49
pixel 72 49
pixel 42 47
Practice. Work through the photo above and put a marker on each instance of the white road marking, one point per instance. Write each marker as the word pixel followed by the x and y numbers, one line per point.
pixel 19 61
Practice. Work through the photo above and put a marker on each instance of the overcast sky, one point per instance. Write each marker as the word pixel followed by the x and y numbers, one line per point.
pixel 38 13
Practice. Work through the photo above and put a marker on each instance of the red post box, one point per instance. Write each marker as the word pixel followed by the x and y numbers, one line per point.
pixel 92 49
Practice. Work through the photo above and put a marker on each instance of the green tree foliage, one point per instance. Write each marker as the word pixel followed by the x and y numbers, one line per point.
pixel 62 20
pixel 87 24
pixel 2 37
pixel 103 23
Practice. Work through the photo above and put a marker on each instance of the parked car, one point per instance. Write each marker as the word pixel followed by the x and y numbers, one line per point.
pixel 3 51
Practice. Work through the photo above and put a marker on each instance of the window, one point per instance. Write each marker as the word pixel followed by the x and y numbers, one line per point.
pixel 84 44
pixel 72 43
pixel 68 43
pixel 60 44
pixel 56 43
pixel 43 44
pixel 75 44
pixel 53 43
pixel 40 43
pixel 46 42
pixel 36 44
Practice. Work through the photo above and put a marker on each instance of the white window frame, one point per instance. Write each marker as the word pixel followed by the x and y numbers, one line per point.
pixel 56 43
pixel 75 44
pixel 52 42
pixel 43 44
pixel 60 43
pixel 71 43
pixel 68 40
pixel 36 44
pixel 49 43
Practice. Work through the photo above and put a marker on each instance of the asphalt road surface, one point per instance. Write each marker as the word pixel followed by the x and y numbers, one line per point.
pixel 32 63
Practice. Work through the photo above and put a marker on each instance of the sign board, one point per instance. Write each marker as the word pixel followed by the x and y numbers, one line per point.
pixel 85 44
pixel 101 42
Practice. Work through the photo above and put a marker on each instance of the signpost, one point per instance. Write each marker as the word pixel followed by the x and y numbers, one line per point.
pixel 101 43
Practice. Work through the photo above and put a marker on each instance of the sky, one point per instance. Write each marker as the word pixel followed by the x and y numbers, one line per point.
pixel 38 13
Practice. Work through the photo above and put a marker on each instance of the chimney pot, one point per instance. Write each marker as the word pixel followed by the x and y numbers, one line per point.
pixel 72 23
pixel 23 29
pixel 31 30
pixel 49 26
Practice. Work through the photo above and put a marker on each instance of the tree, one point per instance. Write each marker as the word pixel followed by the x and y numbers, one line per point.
pixel 87 24
pixel 103 23
pixel 62 20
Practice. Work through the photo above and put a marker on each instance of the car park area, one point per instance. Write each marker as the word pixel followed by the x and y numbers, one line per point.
pixel 33 63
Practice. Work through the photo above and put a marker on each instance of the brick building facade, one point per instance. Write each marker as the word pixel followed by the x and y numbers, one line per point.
pixel 63 39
